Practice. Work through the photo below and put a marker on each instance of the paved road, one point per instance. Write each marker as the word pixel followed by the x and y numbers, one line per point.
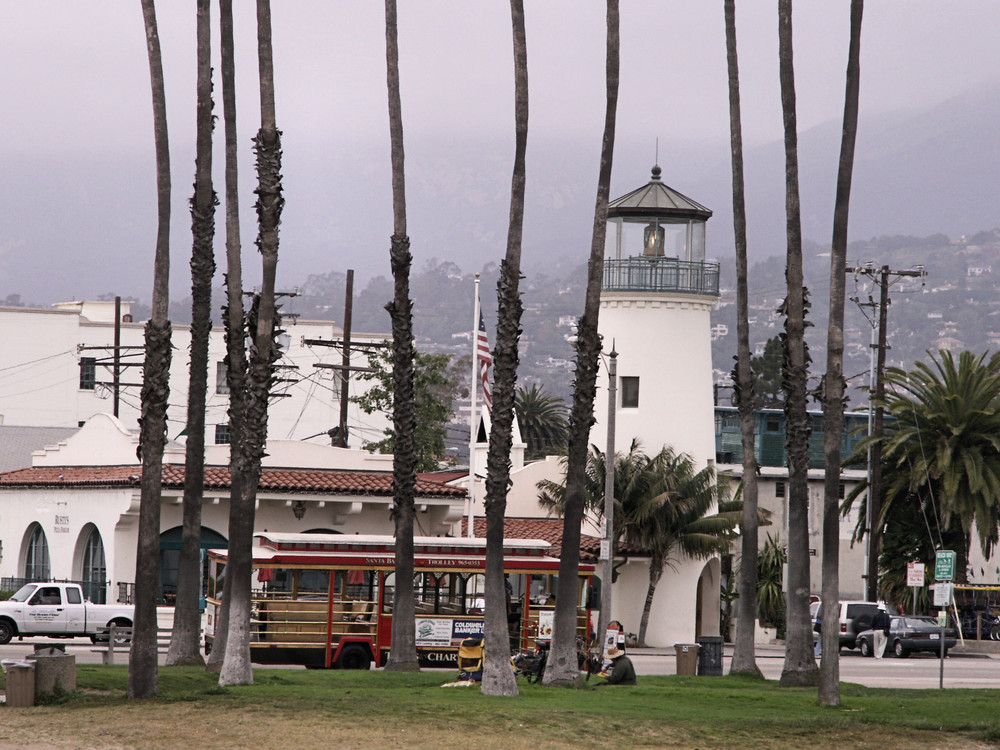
pixel 916 671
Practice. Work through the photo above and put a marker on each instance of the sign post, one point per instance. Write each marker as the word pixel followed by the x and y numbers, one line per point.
pixel 944 573
pixel 915 580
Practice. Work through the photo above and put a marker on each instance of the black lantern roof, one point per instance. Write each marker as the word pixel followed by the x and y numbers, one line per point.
pixel 654 199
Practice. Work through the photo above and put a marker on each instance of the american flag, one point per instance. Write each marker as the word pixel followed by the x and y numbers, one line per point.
pixel 485 360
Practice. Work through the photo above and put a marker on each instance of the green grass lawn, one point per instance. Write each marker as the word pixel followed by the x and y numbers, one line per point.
pixel 294 709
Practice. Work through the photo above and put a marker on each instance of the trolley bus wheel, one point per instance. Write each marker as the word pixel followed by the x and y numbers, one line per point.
pixel 354 656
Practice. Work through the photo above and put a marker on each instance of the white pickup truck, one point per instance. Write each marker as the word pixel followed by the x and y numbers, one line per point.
pixel 58 610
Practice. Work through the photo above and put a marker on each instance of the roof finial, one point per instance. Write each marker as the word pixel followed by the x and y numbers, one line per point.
pixel 656 164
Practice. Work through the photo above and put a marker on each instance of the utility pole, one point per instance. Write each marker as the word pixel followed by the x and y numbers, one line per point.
pixel 883 277
pixel 348 308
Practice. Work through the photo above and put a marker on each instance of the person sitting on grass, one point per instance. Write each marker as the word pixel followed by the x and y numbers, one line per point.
pixel 622 671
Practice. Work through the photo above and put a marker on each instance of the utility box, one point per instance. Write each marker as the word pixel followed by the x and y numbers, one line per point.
pixel 55 671
pixel 710 656
pixel 20 679
pixel 687 658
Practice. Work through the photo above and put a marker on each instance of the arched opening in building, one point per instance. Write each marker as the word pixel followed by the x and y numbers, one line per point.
pixel 36 565
pixel 90 565
pixel 170 559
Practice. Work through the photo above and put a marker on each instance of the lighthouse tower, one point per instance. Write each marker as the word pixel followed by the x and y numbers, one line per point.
pixel 656 299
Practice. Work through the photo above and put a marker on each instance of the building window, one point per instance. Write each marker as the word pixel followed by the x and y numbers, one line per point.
pixel 630 392
pixel 773 423
pixel 88 373
pixel 221 382
pixel 840 490
pixel 36 558
pixel 779 488
pixel 95 569
pixel 222 434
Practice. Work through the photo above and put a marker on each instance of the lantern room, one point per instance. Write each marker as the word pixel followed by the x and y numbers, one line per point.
pixel 656 242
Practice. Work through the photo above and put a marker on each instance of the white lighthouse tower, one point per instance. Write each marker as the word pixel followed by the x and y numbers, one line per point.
pixel 656 300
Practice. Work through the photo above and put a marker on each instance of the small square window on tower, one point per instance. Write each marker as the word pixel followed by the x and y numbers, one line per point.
pixel 222 434
pixel 630 392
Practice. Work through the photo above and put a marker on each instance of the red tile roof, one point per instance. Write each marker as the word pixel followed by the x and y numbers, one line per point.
pixel 217 477
pixel 546 529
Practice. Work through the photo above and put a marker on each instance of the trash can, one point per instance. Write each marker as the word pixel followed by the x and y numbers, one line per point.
pixel 687 658
pixel 20 678
pixel 55 672
pixel 710 656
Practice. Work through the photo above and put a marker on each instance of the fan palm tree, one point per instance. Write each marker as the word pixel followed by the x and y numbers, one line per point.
pixel 744 659
pixel 263 329
pixel 497 676
pixel 800 664
pixel 562 665
pixel 833 380
pixel 674 520
pixel 542 419
pixel 236 359
pixel 143 677
pixel 403 649
pixel 185 646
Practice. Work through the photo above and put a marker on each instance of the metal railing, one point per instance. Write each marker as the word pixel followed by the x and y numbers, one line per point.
pixel 660 274
pixel 93 591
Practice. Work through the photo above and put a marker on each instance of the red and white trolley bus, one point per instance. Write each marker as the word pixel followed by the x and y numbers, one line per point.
pixel 325 600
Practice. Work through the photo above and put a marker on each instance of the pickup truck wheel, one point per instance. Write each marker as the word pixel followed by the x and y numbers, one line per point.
pixel 866 650
pixel 6 631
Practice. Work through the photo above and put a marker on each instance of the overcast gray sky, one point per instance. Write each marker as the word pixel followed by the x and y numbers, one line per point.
pixel 76 76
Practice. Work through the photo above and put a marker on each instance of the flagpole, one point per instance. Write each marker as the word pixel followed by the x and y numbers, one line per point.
pixel 473 416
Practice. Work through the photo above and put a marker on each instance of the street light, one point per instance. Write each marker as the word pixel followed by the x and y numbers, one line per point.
pixel 607 543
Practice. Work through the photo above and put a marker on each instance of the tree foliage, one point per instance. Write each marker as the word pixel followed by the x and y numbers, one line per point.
pixel 543 423
pixel 940 460
pixel 434 388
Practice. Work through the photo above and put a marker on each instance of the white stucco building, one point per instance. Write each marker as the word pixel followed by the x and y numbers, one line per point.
pixel 57 369
pixel 73 514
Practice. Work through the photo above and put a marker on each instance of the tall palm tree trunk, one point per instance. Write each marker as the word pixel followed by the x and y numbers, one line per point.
pixel 744 657
pixel 800 665
pixel 403 647
pixel 562 664
pixel 184 646
pixel 833 382
pixel 264 321
pixel 655 574
pixel 143 677
pixel 498 679
pixel 236 361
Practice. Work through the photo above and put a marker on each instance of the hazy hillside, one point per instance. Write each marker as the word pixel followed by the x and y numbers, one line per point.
pixel 917 174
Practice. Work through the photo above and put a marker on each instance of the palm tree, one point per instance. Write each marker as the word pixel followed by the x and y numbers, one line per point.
pixel 542 419
pixel 264 321
pixel 403 649
pixel 236 361
pixel 941 447
pixel 498 679
pixel 674 521
pixel 143 677
pixel 185 647
pixel 744 659
pixel 800 664
pixel 833 381
pixel 562 665
pixel 635 479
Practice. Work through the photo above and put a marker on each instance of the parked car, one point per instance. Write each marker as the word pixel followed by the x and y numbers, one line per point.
pixel 855 617
pixel 909 633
